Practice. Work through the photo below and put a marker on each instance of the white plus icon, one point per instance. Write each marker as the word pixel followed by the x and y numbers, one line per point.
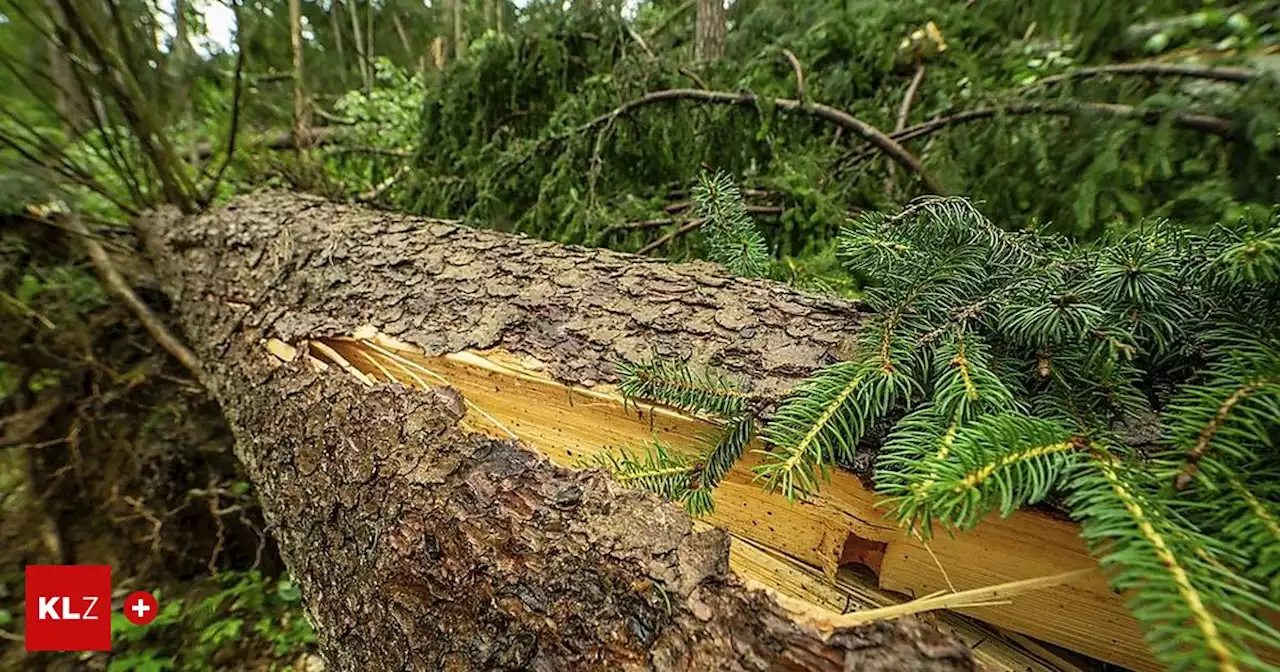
pixel 141 608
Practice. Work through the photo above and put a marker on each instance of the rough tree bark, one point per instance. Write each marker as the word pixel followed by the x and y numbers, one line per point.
pixel 709 41
pixel 418 544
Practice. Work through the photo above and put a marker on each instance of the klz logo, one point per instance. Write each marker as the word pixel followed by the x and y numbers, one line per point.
pixel 68 608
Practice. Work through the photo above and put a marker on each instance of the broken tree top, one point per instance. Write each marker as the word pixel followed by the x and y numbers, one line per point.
pixel 426 528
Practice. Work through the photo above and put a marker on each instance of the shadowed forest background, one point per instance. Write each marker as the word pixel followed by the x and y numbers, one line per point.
pixel 583 122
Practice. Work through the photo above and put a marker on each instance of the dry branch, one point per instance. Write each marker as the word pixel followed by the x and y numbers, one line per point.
pixel 831 115
pixel 1203 123
pixel 909 99
pixel 904 113
pixel 1216 73
pixel 663 240
pixel 795 65
pixel 116 284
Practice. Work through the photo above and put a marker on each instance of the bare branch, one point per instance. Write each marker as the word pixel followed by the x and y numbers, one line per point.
pixel 1185 120
pixel 795 65
pixel 1216 73
pixel 826 113
pixel 685 228
pixel 116 284
pixel 904 112
pixel 909 99
pixel 675 14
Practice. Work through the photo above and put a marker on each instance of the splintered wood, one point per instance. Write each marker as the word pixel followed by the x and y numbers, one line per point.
pixel 510 397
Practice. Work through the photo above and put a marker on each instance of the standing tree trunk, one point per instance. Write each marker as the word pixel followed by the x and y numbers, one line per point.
pixel 459 40
pixel 337 39
pixel 366 75
pixel 419 543
pixel 709 41
pixel 300 108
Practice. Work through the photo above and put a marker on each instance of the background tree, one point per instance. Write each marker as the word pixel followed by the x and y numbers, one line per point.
pixel 709 42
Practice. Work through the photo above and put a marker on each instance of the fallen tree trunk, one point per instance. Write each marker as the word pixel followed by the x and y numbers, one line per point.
pixel 420 544
pixel 423 535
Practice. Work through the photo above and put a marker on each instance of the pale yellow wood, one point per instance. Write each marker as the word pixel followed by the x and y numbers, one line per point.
pixel 994 650
pixel 569 424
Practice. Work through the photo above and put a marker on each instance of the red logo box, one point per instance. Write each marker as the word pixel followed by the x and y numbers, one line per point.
pixel 68 608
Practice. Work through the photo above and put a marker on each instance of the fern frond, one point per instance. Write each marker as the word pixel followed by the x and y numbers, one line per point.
pixel 731 236
pixel 676 384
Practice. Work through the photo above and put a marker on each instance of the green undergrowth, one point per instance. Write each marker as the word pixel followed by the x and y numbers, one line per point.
pixel 219 622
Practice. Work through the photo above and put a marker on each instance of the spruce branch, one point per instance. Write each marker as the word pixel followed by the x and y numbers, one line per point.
pixel 676 384
pixel 726 449
pixel 732 238
pixel 654 467
pixel 1014 362
pixel 1000 461
pixel 1172 581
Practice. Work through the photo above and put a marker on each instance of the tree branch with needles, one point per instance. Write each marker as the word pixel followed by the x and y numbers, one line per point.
pixel 831 115
pixel 1203 123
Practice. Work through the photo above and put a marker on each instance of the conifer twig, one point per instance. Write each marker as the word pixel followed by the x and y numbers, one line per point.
pixel 1205 438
